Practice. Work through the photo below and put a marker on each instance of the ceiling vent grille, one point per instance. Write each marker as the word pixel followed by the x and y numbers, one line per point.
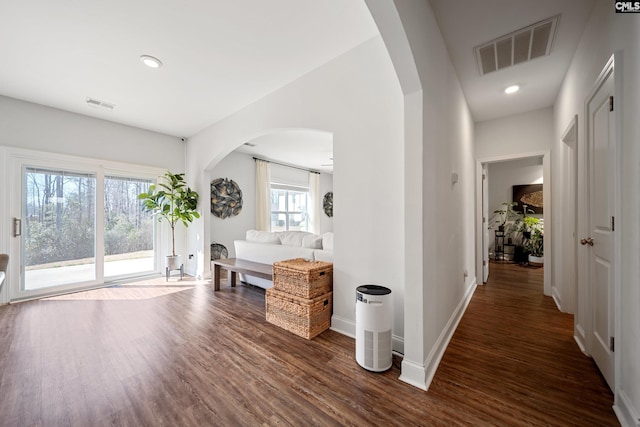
pixel 515 48
pixel 100 105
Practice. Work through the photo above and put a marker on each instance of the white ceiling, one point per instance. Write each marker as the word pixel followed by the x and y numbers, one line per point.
pixel 221 55
pixel 218 55
pixel 466 24
pixel 309 149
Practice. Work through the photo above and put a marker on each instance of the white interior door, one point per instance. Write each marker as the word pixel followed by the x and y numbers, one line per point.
pixel 601 223
pixel 485 223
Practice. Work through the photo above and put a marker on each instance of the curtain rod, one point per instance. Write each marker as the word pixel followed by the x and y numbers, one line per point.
pixel 286 165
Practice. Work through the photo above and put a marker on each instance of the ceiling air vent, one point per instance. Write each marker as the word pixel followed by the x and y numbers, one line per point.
pixel 515 48
pixel 100 105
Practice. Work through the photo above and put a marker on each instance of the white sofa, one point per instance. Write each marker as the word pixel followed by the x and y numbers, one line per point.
pixel 268 247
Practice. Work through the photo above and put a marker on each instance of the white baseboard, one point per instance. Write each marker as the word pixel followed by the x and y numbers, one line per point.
pixel 347 327
pixel 580 339
pixel 413 373
pixel 626 413
pixel 555 294
pixel 421 375
pixel 343 325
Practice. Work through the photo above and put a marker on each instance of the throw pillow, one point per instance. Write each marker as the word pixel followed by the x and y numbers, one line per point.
pixel 312 241
pixel 293 238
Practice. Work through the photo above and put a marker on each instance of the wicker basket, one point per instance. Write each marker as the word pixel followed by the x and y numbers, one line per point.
pixel 301 316
pixel 302 278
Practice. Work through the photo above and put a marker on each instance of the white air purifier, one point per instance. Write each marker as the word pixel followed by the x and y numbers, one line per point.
pixel 373 327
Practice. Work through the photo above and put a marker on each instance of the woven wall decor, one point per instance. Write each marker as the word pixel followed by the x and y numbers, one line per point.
pixel 226 198
pixel 218 251
pixel 327 204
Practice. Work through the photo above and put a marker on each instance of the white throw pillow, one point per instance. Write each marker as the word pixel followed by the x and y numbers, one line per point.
pixel 293 238
pixel 327 241
pixel 262 237
pixel 312 241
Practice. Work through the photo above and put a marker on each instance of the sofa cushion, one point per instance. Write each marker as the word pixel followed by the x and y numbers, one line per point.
pixel 327 241
pixel 263 237
pixel 312 241
pixel 322 255
pixel 293 238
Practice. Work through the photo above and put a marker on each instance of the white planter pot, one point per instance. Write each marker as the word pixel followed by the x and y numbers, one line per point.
pixel 536 260
pixel 174 262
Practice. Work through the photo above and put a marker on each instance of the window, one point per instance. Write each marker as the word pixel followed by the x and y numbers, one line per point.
pixel 128 229
pixel 81 224
pixel 289 208
pixel 59 232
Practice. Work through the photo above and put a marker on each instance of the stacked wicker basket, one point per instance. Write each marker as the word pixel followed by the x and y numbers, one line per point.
pixel 301 298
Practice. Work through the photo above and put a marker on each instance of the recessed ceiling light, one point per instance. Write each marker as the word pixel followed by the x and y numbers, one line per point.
pixel 150 61
pixel 512 89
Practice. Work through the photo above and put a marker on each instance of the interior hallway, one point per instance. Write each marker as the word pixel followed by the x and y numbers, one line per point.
pixel 513 360
pixel 158 353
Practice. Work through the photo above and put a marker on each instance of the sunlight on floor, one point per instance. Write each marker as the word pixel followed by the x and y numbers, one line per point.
pixel 143 289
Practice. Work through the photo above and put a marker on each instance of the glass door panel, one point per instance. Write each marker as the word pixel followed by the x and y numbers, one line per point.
pixel 59 233
pixel 128 230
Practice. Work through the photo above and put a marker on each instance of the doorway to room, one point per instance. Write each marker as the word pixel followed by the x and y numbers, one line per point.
pixel 512 228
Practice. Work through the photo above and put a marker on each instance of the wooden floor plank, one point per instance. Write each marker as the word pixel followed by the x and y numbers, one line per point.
pixel 178 354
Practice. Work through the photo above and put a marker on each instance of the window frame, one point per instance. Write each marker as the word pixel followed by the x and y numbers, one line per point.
pixel 289 188
pixel 20 159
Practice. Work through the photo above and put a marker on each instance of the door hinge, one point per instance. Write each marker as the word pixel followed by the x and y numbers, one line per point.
pixel 611 103
pixel 484 263
pixel 613 223
pixel 612 344
pixel 484 220
pixel 484 176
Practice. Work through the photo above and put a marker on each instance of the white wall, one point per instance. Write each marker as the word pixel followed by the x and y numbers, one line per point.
pixel 36 127
pixel 515 135
pixel 326 185
pixel 504 175
pixel 24 125
pixel 439 214
pixel 357 98
pixel 606 33
pixel 241 168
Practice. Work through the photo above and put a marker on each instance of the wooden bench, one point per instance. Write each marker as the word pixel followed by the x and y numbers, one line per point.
pixel 235 265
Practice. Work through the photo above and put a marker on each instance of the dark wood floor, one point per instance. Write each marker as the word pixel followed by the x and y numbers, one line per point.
pixel 181 355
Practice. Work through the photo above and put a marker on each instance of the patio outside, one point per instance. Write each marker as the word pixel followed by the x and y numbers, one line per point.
pixel 76 271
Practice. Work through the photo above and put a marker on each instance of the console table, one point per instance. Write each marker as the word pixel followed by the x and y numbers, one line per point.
pixel 235 265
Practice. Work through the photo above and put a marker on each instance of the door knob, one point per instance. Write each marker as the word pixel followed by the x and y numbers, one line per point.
pixel 587 241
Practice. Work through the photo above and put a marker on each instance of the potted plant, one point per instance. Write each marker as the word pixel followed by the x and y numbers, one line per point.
pixel 535 245
pixel 528 224
pixel 505 214
pixel 172 200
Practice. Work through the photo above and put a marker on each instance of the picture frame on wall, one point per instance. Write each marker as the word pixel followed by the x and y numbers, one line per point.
pixel 530 195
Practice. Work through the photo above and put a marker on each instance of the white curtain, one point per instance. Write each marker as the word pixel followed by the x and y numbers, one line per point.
pixel 263 196
pixel 314 202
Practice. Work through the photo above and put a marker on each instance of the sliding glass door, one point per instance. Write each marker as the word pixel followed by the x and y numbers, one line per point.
pixel 77 226
pixel 58 228
pixel 128 230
